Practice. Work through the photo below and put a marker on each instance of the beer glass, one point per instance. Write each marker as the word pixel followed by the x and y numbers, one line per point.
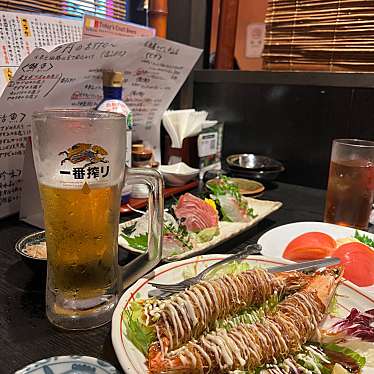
pixel 80 163
pixel 350 190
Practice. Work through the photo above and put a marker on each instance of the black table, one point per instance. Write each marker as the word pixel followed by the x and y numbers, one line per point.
pixel 26 335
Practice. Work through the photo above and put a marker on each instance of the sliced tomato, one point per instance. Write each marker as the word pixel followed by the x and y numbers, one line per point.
pixel 310 246
pixel 358 261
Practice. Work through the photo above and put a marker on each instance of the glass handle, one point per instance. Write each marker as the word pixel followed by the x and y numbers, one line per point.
pixel 147 261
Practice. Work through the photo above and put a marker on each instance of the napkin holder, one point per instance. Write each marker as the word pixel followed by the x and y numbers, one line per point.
pixel 187 154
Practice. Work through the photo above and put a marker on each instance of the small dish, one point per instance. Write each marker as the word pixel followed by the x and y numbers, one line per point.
pixel 69 364
pixel 246 186
pixel 275 241
pixel 139 191
pixel 178 174
pixel 25 245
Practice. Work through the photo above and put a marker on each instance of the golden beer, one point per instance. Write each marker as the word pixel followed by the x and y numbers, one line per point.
pixel 81 231
pixel 79 158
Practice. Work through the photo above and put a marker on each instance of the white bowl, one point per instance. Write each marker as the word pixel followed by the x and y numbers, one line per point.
pixel 178 174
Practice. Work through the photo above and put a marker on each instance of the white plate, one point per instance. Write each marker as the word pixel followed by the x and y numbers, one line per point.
pixel 69 364
pixel 227 229
pixel 274 241
pixel 133 361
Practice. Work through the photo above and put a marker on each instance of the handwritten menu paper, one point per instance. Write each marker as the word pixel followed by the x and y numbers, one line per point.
pixel 98 27
pixel 70 76
pixel 21 33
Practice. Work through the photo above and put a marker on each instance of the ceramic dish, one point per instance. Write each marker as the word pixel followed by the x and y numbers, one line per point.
pixel 69 364
pixel 227 230
pixel 178 174
pixel 274 241
pixel 36 239
pixel 133 361
pixel 246 186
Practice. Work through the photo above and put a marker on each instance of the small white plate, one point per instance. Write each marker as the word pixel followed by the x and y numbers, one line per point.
pixel 227 229
pixel 275 241
pixel 133 361
pixel 69 364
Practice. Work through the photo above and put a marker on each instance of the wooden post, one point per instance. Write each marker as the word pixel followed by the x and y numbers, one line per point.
pixel 226 34
pixel 158 16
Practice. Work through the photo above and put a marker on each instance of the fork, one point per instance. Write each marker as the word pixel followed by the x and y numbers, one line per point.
pixel 180 286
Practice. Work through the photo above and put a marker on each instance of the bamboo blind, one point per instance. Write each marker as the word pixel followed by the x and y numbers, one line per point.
pixel 112 8
pixel 329 35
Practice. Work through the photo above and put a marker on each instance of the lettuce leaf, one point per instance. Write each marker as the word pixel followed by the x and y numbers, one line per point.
pixel 360 360
pixel 250 315
pixel 233 267
pixel 141 335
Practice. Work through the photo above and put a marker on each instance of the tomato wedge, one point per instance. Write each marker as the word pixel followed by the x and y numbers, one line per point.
pixel 310 246
pixel 358 261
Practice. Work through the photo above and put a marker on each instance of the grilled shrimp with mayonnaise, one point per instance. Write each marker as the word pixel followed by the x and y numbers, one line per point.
pixel 186 315
pixel 250 346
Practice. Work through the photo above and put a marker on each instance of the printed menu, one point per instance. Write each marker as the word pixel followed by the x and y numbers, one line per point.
pixel 71 76
pixel 96 27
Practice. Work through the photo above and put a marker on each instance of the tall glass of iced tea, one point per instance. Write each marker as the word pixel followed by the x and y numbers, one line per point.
pixel 80 164
pixel 350 190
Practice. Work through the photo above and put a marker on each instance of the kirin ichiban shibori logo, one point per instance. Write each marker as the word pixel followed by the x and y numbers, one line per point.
pixel 89 154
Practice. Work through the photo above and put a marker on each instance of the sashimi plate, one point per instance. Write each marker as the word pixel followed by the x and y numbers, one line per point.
pixel 227 230
pixel 133 361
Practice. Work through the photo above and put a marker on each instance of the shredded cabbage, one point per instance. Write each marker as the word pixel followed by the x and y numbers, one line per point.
pixel 233 267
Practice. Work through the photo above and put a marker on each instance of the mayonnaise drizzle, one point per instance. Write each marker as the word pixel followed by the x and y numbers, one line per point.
pixel 248 346
pixel 189 313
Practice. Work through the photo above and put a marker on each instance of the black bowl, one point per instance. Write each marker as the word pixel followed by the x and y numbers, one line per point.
pixel 35 263
pixel 249 165
pixel 259 175
pixel 251 162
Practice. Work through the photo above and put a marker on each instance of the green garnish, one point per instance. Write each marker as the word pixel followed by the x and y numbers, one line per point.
pixel 364 239
pixel 139 242
pixel 360 360
pixel 225 186
pixel 141 335
pixel 233 267
pixel 128 230
pixel 250 315
pixel 180 233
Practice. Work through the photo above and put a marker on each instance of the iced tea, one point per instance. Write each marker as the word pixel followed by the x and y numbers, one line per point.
pixel 350 193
